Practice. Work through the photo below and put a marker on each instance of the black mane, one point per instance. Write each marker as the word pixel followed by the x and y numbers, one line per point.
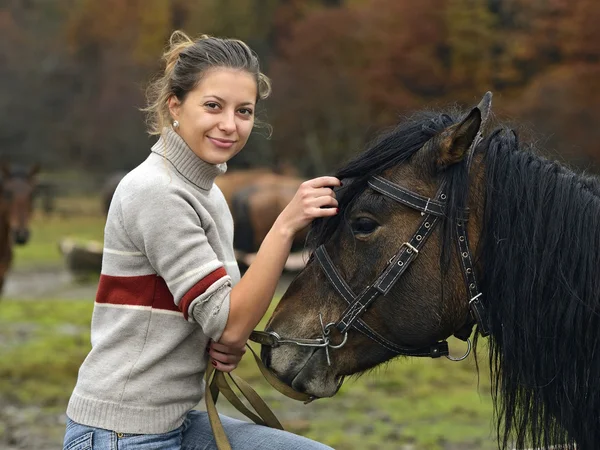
pixel 541 257
pixel 539 272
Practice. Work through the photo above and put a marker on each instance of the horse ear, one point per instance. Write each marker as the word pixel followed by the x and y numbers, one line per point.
pixel 485 106
pixel 457 139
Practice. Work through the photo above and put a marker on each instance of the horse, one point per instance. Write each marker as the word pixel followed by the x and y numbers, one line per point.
pixel 5 247
pixel 17 187
pixel 445 227
pixel 255 198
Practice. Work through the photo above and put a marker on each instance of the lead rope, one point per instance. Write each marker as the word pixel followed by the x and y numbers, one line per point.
pixel 219 382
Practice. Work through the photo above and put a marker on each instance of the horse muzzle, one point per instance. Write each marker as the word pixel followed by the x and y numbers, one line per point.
pixel 21 237
pixel 304 369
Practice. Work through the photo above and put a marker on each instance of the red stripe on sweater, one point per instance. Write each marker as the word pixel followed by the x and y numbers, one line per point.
pixel 200 288
pixel 150 290
pixel 143 290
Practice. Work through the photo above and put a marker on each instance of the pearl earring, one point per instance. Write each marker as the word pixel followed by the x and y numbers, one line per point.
pixel 175 124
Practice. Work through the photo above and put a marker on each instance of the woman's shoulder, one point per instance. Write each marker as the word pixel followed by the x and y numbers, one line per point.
pixel 149 177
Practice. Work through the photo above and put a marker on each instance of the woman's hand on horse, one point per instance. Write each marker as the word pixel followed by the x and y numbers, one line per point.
pixel 224 357
pixel 315 198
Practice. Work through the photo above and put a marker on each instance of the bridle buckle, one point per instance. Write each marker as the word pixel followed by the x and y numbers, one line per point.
pixel 410 247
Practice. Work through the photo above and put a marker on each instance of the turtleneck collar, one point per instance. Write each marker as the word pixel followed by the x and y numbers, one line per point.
pixel 172 147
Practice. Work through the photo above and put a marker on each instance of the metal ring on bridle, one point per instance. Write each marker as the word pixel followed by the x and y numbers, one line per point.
pixel 452 358
pixel 327 327
pixel 277 340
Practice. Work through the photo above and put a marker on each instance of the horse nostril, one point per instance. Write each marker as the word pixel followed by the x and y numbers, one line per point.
pixel 265 355
pixel 21 237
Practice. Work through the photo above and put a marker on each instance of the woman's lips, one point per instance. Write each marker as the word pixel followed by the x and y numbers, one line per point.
pixel 221 143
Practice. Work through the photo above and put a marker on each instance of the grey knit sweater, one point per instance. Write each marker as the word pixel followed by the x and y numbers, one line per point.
pixel 167 271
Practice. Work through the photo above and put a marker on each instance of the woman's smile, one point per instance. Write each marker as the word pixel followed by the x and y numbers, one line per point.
pixel 221 143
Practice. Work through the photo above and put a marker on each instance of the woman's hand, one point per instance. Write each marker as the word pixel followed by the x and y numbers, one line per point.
pixel 224 357
pixel 315 198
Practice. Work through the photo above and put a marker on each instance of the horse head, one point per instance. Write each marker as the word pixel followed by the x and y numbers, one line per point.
pixel 19 186
pixel 372 233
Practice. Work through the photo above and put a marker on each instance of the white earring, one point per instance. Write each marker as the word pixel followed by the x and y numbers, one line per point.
pixel 175 124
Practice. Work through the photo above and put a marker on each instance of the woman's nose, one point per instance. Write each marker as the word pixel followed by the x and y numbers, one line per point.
pixel 227 123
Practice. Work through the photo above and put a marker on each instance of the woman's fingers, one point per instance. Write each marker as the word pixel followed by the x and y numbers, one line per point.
pixel 223 367
pixel 326 201
pixel 225 358
pixel 314 198
pixel 323 182
pixel 227 349
pixel 322 192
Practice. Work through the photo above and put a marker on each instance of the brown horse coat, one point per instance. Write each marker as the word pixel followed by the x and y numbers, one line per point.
pixel 256 198
pixel 5 245
pixel 17 185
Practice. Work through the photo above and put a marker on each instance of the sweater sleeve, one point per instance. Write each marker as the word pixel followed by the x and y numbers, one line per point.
pixel 164 226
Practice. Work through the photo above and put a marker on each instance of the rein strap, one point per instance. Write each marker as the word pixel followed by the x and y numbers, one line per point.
pixel 221 382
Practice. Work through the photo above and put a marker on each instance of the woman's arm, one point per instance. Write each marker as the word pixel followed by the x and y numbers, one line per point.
pixel 251 297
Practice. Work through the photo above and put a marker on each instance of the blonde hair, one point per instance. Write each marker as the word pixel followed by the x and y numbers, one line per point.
pixel 186 61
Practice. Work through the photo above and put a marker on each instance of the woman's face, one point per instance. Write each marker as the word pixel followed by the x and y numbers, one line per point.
pixel 217 116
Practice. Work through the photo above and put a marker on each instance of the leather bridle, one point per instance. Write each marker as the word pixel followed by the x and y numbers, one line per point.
pixel 432 210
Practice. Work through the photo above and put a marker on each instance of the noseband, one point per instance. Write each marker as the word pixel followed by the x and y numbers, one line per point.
pixel 432 209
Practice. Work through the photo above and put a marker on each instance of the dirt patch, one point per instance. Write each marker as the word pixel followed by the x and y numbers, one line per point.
pixel 47 283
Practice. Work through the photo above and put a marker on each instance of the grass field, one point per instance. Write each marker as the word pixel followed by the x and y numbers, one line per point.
pixel 408 404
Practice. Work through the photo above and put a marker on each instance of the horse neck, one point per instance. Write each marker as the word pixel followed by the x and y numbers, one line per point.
pixel 540 263
pixel 4 228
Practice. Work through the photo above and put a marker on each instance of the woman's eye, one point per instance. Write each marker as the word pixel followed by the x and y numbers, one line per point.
pixel 245 111
pixel 364 225
pixel 211 105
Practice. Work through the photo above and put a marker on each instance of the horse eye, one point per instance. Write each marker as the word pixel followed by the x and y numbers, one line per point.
pixel 364 225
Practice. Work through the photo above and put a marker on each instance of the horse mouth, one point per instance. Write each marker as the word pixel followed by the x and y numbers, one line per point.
pixel 304 371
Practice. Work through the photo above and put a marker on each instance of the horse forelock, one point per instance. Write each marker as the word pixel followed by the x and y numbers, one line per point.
pixel 389 149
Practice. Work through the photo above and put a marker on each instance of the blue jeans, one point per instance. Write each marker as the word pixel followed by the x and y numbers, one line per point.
pixel 194 434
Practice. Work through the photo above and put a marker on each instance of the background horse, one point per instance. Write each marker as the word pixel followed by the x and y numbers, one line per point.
pixel 255 198
pixel 529 276
pixel 17 186
pixel 5 247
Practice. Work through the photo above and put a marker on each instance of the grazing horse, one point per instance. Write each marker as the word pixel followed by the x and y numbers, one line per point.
pixel 17 186
pixel 255 198
pixel 442 230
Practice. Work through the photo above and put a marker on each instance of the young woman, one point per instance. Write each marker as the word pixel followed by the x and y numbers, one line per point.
pixel 169 301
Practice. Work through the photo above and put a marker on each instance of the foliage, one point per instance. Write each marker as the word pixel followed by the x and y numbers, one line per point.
pixel 74 70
